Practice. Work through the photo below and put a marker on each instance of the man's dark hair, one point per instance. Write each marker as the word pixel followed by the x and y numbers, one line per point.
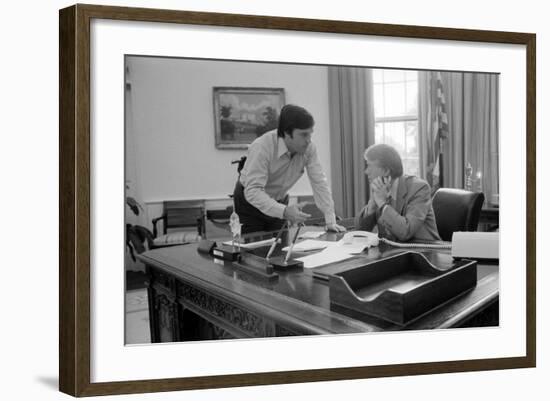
pixel 387 157
pixel 293 117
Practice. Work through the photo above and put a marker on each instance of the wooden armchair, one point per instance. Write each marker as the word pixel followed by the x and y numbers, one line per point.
pixel 176 216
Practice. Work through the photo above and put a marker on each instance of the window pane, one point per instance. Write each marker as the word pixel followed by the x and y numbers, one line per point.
pixel 411 166
pixel 379 101
pixel 377 76
pixel 411 139
pixel 394 99
pixel 411 75
pixel 395 136
pixel 379 133
pixel 412 98
pixel 394 76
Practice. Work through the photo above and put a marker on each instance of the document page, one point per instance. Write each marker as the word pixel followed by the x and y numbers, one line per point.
pixel 309 245
pixel 330 254
pixel 311 234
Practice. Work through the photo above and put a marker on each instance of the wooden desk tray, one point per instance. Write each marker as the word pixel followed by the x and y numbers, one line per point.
pixel 399 288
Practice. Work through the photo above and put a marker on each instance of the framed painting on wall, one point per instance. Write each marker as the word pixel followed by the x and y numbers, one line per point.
pixel 243 114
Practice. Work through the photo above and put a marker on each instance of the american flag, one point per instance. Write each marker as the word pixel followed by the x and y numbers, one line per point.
pixel 440 128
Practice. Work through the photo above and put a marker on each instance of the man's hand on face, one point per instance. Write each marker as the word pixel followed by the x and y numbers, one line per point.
pixel 381 189
pixel 294 213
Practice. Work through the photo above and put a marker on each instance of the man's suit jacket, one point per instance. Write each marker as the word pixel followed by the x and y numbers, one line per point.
pixel 410 217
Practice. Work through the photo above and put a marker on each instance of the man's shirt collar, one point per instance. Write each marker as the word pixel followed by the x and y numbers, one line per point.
pixel 282 148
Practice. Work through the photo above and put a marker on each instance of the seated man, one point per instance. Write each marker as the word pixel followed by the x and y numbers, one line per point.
pixel 399 205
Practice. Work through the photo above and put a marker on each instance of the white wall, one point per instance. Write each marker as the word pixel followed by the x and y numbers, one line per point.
pixel 173 121
pixel 29 160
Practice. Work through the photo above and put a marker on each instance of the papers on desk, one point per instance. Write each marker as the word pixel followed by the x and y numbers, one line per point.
pixel 309 245
pixel 331 254
pixel 333 251
pixel 252 245
pixel 355 246
pixel 311 234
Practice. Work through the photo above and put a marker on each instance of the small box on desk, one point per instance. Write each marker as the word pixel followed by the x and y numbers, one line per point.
pixel 256 266
pixel 227 252
pixel 279 263
pixel 399 288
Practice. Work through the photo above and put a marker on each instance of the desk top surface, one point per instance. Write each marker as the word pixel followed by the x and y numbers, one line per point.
pixel 304 292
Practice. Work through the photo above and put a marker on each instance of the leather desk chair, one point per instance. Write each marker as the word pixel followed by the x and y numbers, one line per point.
pixel 456 210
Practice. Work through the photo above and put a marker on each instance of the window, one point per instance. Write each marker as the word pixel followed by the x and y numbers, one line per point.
pixel 396 114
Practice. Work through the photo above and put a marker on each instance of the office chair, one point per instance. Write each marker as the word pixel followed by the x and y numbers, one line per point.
pixel 456 210
pixel 178 215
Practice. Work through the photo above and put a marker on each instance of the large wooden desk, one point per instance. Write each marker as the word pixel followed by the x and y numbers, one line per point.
pixel 193 297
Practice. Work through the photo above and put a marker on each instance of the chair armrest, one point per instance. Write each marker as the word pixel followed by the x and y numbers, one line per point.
pixel 154 221
pixel 200 226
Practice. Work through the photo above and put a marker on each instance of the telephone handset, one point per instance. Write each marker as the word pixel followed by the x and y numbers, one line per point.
pixel 371 238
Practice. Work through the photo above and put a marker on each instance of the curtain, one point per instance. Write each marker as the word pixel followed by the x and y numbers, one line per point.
pixel 352 131
pixel 472 138
pixel 131 174
pixel 131 170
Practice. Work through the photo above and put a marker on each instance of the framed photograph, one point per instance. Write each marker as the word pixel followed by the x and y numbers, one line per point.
pixel 243 114
pixel 137 91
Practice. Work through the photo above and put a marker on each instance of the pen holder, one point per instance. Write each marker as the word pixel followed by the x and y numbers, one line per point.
pixel 279 263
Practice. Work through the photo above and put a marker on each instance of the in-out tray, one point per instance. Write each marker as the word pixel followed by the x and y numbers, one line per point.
pixel 399 288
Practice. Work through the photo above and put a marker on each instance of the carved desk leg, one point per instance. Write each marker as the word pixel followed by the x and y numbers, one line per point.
pixel 163 316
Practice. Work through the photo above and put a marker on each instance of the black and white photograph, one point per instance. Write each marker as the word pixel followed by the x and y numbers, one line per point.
pixel 246 200
pixel 280 199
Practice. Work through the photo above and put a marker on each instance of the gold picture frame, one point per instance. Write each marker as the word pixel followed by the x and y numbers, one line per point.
pixel 235 129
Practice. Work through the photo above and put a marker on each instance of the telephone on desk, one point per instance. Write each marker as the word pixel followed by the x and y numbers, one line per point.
pixel 471 244
pixel 372 239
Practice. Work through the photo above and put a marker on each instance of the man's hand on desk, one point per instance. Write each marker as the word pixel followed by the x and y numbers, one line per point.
pixel 336 228
pixel 295 214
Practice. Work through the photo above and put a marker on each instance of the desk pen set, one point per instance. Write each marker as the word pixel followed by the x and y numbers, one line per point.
pixel 248 262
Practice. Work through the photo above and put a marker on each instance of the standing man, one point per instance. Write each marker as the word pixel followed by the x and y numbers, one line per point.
pixel 275 161
pixel 400 206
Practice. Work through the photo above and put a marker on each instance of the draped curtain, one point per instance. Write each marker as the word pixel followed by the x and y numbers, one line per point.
pixel 352 131
pixel 472 140
pixel 131 167
pixel 131 170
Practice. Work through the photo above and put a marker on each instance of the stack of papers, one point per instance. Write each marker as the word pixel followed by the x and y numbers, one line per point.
pixel 356 246
pixel 334 251
pixel 310 245
pixel 311 234
pixel 331 254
